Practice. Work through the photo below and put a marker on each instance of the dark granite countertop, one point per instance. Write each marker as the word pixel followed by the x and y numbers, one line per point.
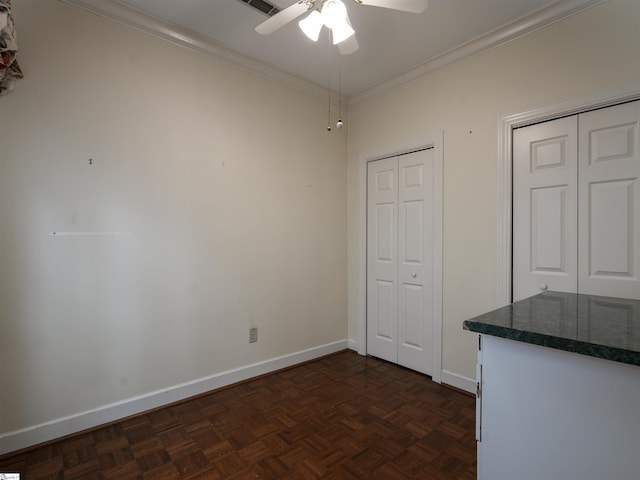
pixel 602 327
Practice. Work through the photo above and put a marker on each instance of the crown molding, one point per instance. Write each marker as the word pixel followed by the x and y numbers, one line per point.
pixel 143 21
pixel 119 12
pixel 530 23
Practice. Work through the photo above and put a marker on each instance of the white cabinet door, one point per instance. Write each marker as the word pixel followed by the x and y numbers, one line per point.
pixel 609 199
pixel 400 264
pixel 576 204
pixel 545 208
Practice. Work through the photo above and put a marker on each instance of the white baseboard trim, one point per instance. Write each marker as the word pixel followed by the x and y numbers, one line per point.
pixel 34 435
pixel 353 344
pixel 458 381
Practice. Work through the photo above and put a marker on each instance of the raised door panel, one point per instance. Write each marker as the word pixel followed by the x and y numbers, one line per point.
pixel 545 208
pixel 609 196
pixel 383 316
pixel 385 234
pixel 549 250
pixel 412 221
pixel 382 258
pixel 415 268
pixel 611 235
pixel 412 308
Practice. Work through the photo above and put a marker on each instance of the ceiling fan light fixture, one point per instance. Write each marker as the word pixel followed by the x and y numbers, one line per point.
pixel 335 17
pixel 311 25
pixel 333 13
pixel 341 32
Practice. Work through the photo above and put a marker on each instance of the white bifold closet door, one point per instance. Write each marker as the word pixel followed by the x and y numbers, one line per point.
pixel 545 213
pixel 576 204
pixel 400 263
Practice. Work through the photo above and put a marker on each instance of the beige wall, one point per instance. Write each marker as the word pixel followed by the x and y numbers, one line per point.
pixel 231 190
pixel 584 55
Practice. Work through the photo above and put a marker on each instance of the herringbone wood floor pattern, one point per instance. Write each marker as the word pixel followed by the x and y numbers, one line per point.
pixel 341 417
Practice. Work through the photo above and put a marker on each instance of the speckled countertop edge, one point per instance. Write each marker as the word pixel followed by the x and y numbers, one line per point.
pixel 569 345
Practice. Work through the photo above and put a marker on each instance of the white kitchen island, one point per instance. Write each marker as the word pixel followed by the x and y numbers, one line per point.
pixel 559 389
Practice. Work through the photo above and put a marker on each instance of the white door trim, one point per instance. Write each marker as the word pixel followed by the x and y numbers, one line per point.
pixel 435 142
pixel 506 124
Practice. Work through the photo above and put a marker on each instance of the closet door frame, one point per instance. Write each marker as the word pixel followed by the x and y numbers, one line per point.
pixel 506 126
pixel 432 141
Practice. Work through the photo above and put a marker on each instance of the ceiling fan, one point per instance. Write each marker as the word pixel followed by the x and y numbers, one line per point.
pixel 332 14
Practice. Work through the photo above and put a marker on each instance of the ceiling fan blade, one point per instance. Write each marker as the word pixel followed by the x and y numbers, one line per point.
pixel 280 19
pixel 348 46
pixel 413 6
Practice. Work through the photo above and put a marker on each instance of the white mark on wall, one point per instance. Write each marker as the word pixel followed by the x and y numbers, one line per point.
pixel 89 234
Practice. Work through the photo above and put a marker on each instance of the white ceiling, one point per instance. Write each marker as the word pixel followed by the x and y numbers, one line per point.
pixel 392 44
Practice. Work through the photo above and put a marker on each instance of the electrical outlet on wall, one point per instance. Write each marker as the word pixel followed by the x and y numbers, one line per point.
pixel 253 335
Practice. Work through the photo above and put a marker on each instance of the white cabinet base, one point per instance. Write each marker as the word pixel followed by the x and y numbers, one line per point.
pixel 553 415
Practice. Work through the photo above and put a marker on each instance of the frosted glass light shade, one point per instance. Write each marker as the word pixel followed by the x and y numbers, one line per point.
pixel 333 13
pixel 311 25
pixel 341 31
pixel 334 16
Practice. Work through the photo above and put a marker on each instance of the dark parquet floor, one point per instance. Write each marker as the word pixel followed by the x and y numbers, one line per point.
pixel 341 417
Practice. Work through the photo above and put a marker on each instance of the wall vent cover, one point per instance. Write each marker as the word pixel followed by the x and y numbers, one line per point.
pixel 264 6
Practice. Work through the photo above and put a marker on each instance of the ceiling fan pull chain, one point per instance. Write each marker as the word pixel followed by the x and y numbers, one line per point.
pixel 329 87
pixel 329 113
pixel 339 123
